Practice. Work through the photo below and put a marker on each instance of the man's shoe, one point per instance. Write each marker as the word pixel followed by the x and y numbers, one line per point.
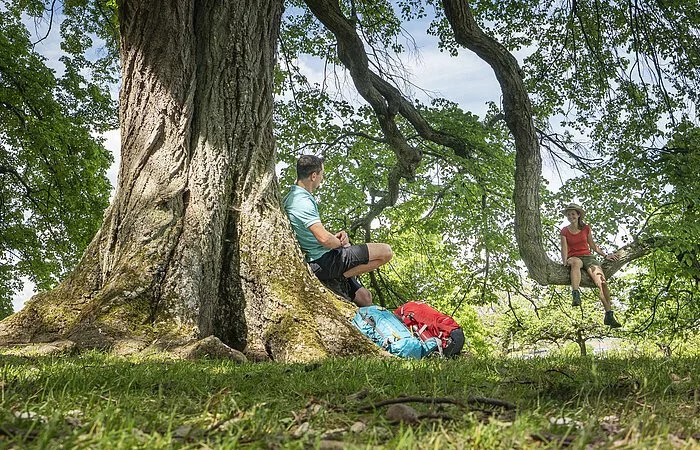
pixel 576 295
pixel 610 321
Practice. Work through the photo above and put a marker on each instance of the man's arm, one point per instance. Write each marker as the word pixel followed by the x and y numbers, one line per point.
pixel 323 237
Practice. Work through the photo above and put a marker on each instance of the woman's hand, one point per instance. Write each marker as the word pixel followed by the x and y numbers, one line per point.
pixel 612 257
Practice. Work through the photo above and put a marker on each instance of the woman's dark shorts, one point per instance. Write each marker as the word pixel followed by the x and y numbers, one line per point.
pixel 335 263
pixel 588 261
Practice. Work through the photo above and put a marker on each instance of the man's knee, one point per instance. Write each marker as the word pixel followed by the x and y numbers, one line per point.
pixel 388 254
pixel 363 297
pixel 382 252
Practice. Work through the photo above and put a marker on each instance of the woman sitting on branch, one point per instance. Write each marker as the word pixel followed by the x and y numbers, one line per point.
pixel 576 245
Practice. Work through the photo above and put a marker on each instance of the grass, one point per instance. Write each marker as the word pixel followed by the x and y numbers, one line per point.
pixel 99 401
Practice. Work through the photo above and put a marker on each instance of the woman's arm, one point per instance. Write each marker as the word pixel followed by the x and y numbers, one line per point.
pixel 594 247
pixel 564 249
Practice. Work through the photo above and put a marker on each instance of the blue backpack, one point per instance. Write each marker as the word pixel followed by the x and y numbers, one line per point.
pixel 383 328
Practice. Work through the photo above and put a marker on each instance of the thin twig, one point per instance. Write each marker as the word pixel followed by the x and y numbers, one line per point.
pixel 433 400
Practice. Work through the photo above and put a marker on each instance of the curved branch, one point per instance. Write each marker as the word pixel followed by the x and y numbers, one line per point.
pixel 386 101
pixel 559 143
pixel 471 400
pixel 518 114
pixel 53 5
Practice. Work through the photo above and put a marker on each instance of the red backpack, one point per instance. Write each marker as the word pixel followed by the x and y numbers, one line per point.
pixel 426 322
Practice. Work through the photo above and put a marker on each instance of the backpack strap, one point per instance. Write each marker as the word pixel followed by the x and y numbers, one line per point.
pixel 439 346
pixel 369 320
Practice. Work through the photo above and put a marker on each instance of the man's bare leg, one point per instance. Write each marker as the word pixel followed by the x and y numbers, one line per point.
pixel 379 254
pixel 363 297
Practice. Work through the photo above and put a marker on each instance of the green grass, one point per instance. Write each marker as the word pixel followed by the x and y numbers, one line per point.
pixel 99 401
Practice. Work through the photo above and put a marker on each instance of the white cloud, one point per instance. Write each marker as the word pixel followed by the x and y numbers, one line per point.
pixel 20 298
pixel 113 144
pixel 466 79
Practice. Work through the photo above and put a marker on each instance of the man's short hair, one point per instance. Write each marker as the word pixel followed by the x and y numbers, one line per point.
pixel 308 164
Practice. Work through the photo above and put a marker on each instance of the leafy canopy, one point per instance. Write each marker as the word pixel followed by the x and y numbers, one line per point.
pixel 614 89
pixel 52 169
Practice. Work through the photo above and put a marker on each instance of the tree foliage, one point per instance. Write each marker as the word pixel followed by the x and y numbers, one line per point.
pixel 610 83
pixel 52 167
pixel 612 94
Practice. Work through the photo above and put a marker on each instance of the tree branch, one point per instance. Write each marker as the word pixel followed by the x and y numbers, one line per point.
pixel 518 115
pixel 386 102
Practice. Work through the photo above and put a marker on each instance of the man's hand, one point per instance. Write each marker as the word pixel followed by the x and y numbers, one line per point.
pixel 343 238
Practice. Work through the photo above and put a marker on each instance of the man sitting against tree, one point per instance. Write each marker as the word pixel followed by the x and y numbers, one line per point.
pixel 330 256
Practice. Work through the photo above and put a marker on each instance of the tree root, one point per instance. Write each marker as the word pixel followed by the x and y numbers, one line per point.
pixel 209 347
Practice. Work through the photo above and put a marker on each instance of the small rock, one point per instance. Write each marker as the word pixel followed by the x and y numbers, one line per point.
pixel 358 427
pixel 211 347
pixel 301 430
pixel 49 348
pixel 563 421
pixel 401 413
pixel 30 415
pixel 72 417
pixel 124 347
pixel 334 434
pixel 140 435
pixel 182 431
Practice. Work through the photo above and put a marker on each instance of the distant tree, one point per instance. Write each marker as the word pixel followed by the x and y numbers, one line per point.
pixel 544 318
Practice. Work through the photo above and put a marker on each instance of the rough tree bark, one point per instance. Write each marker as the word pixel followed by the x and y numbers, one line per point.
pixel 195 243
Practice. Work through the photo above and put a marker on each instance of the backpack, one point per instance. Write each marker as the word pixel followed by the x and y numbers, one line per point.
pixel 383 328
pixel 427 322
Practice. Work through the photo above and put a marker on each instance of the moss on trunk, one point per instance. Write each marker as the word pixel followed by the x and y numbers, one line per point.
pixel 195 243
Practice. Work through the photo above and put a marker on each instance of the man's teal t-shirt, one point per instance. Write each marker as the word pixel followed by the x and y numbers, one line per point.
pixel 302 210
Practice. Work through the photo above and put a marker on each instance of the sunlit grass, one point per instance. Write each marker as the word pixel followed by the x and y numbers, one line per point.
pixel 101 401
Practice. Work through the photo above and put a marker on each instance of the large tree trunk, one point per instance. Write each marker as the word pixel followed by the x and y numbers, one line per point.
pixel 518 116
pixel 195 243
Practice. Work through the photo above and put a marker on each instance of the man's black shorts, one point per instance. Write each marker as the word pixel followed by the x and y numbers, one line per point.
pixel 344 287
pixel 335 263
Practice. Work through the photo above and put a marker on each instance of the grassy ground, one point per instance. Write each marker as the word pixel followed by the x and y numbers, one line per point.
pixel 98 401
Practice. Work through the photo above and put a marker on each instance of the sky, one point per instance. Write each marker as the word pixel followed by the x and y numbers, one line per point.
pixel 465 79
